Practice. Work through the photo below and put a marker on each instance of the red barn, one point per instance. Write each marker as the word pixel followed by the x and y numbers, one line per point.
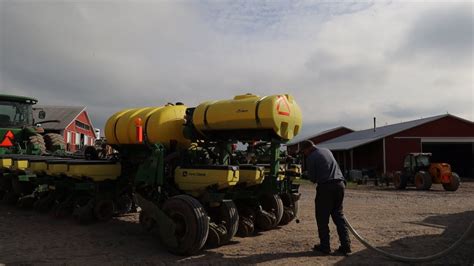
pixel 73 123
pixel 321 137
pixel 382 149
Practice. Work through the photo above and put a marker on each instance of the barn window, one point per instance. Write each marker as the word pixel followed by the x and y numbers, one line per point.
pixel 86 140
pixel 79 124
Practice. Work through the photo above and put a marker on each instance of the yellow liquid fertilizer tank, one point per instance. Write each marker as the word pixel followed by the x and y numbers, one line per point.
pixel 277 113
pixel 160 124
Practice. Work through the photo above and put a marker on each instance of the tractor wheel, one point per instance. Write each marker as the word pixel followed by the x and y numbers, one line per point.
pixel 224 222
pixel 104 209
pixel 191 225
pixel 398 181
pixel 423 180
pixel 54 142
pixel 38 140
pixel 454 183
pixel 272 209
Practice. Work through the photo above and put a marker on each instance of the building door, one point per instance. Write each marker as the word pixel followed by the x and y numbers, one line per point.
pixel 459 155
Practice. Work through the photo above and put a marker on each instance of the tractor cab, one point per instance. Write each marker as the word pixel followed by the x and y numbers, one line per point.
pixel 16 111
pixel 415 162
pixel 19 133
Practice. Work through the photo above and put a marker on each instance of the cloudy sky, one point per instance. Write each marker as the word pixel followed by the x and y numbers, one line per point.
pixel 345 62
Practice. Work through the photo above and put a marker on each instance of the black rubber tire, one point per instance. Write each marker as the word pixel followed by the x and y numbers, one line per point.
pixel 54 142
pixel 454 184
pixel 290 208
pixel 38 140
pixel 423 180
pixel 192 224
pixel 227 216
pixel 273 204
pixel 230 216
pixel 399 181
pixel 246 227
pixel 104 209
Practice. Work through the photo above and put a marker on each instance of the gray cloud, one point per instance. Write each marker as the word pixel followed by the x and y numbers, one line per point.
pixel 445 35
pixel 337 60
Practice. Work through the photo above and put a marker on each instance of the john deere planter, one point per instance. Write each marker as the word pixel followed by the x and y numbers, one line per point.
pixel 193 186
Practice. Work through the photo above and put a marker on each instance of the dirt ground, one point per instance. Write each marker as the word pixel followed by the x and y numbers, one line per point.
pixel 410 223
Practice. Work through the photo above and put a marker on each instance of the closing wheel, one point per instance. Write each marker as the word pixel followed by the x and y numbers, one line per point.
pixel 290 208
pixel 422 180
pixel 246 222
pixel 454 183
pixel 225 221
pixel 272 205
pixel 104 209
pixel 191 225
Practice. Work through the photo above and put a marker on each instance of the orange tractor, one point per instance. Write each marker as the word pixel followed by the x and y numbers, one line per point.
pixel 420 171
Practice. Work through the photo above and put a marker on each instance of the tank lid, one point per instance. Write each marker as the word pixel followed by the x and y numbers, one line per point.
pixel 245 96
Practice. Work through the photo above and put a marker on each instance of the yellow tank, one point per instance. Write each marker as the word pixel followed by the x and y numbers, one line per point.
pixel 278 113
pixel 251 175
pixel 160 125
pixel 195 180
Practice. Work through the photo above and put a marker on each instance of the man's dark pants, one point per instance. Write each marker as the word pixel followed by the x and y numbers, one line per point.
pixel 328 202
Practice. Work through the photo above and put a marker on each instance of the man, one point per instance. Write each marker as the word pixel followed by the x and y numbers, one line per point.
pixel 323 169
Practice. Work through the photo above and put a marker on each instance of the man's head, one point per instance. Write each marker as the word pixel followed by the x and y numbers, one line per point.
pixel 306 147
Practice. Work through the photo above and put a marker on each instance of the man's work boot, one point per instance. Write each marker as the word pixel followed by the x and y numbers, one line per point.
pixel 324 250
pixel 344 250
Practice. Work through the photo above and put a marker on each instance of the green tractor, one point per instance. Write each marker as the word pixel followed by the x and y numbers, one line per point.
pixel 20 133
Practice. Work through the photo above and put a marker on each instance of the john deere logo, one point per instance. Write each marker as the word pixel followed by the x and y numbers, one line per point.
pixel 7 139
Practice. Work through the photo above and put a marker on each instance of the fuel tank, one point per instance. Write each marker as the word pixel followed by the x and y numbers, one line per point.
pixel 278 114
pixel 160 124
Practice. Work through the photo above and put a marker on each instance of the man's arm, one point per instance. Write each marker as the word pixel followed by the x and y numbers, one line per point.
pixel 311 166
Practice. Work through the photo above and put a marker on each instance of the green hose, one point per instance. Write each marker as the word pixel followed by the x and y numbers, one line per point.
pixel 412 259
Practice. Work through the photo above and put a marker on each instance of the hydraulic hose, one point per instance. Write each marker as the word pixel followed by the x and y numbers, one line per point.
pixel 412 259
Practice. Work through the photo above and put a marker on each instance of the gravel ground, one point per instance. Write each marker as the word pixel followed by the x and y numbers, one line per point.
pixel 410 223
